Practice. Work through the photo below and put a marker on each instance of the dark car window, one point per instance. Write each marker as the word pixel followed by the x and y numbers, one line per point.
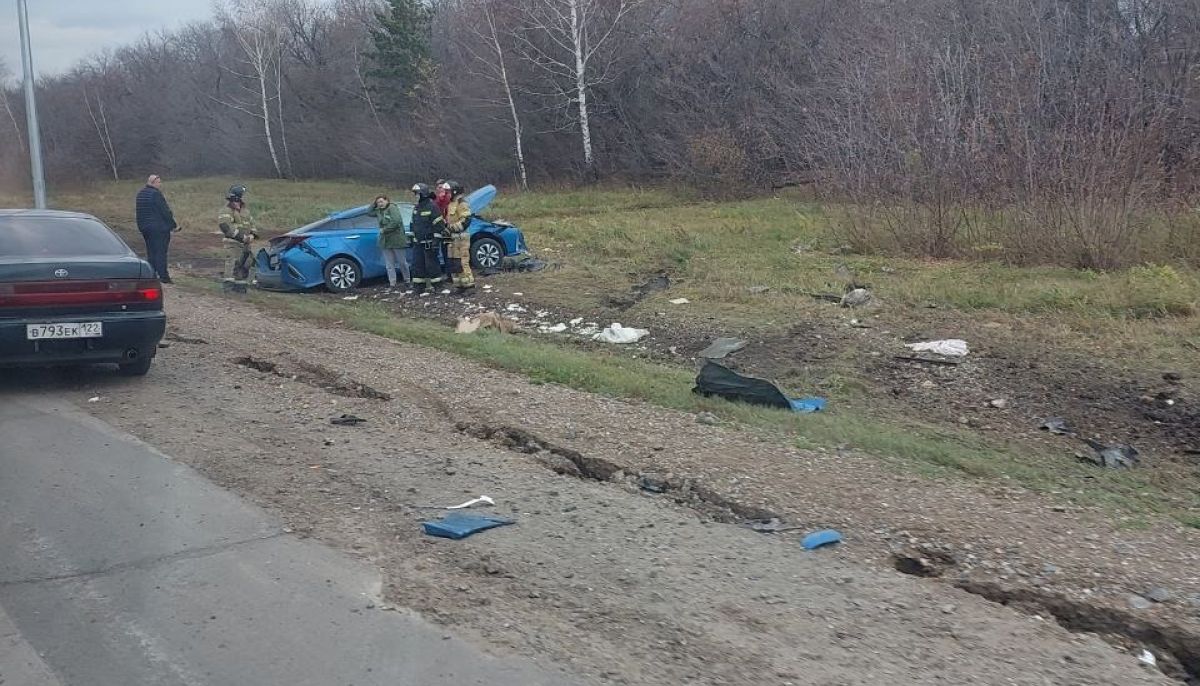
pixel 33 236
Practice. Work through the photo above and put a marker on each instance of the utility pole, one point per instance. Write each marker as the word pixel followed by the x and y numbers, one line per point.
pixel 34 133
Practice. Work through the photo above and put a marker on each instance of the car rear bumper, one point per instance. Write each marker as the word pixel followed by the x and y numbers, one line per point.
pixel 286 272
pixel 128 337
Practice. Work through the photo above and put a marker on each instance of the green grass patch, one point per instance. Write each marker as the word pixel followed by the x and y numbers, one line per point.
pixel 930 451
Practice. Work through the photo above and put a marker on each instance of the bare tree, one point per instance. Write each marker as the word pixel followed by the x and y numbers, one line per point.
pixel 260 42
pixel 100 123
pixel 485 47
pixel 569 41
pixel 4 77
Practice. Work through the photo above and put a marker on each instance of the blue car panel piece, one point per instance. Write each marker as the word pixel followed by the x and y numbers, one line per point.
pixel 296 260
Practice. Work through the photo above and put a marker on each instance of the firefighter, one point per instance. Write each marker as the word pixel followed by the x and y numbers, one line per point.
pixel 238 230
pixel 458 219
pixel 428 229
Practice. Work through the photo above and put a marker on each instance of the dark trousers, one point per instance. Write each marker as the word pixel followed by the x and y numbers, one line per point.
pixel 157 243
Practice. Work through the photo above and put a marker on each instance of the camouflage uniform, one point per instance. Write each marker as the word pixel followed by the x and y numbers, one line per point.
pixel 458 218
pixel 238 230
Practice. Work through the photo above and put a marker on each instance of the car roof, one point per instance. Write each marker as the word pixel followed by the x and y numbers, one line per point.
pixel 57 214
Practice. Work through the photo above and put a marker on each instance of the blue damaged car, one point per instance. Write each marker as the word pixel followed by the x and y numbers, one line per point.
pixel 341 251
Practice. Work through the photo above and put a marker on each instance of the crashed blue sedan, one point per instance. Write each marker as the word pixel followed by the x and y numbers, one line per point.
pixel 341 251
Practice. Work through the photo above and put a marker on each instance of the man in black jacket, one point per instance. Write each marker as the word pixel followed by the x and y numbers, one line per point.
pixel 155 221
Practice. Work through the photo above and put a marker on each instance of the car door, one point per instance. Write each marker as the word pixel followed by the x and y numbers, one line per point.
pixel 357 237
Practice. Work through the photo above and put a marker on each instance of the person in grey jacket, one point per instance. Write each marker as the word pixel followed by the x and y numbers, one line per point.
pixel 156 222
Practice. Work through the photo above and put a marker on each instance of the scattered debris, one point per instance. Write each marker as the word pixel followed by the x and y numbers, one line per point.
pixel 1147 658
pixel 95 399
pixel 513 307
pixel 953 347
pixel 576 321
pixel 459 526
pixel 485 321
pixel 445 291
pixel 481 500
pixel 718 380
pixel 347 420
pixel 758 290
pixel 854 323
pixel 1137 602
pixel 355 297
pixel 856 298
pixel 620 335
pixel 164 344
pixel 556 328
pixel 773 525
pixel 659 283
pixel 652 483
pixel 708 419
pixel 928 360
pixel 820 539
pixel 999 403
pixel 1118 456
pixel 680 301
pixel 722 347
pixel 1158 595
pixel 1057 426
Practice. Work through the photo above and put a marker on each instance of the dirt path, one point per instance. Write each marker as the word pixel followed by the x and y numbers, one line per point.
pixel 628 586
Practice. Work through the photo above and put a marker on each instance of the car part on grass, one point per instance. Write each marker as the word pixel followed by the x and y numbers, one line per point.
pixel 717 380
pixel 1057 426
pixel 952 347
pixel 458 526
pixel 620 335
pixel 1119 456
pixel 820 539
pixel 722 347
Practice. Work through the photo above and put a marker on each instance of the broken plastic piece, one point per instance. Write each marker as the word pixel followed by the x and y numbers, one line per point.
pixel 1118 456
pixel 680 301
pixel 347 420
pixel 807 405
pixel 481 500
pixel 722 347
pixel 1057 426
pixel 819 539
pixel 459 526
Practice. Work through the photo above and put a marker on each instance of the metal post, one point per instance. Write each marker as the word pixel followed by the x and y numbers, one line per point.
pixel 35 137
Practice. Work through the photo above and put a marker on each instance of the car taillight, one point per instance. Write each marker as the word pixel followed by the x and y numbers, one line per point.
pixel 68 293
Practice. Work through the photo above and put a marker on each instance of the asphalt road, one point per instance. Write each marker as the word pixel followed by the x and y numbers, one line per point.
pixel 121 567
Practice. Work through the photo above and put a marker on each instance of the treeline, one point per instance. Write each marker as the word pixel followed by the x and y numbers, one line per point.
pixel 1026 129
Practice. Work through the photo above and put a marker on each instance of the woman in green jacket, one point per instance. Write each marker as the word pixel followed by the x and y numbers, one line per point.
pixel 393 238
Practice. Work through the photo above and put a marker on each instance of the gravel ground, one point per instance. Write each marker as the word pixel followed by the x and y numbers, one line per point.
pixel 623 585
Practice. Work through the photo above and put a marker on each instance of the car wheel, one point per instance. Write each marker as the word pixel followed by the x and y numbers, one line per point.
pixel 138 368
pixel 342 274
pixel 486 253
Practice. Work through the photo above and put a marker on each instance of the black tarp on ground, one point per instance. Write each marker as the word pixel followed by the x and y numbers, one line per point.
pixel 715 379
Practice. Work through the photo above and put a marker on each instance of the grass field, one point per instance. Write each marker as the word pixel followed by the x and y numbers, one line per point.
pixel 605 241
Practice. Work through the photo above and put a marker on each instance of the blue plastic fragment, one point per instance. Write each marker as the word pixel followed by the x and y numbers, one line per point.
pixel 821 538
pixel 459 526
pixel 807 405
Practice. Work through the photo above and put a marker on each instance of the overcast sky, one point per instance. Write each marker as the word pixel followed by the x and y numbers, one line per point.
pixel 66 31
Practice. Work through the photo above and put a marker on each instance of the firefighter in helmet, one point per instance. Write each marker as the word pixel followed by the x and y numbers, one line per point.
pixel 238 231
pixel 458 220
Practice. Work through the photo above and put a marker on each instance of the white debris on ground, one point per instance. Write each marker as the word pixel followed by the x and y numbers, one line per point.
pixel 513 307
pixel 953 347
pixel 620 335
pixel 680 301
pixel 555 328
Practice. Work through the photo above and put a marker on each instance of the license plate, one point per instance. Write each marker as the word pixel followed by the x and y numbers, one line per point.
pixel 39 332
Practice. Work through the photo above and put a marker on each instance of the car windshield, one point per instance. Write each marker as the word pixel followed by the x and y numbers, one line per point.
pixel 44 236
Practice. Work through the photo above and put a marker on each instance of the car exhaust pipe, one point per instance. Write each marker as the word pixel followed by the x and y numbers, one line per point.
pixel 131 354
